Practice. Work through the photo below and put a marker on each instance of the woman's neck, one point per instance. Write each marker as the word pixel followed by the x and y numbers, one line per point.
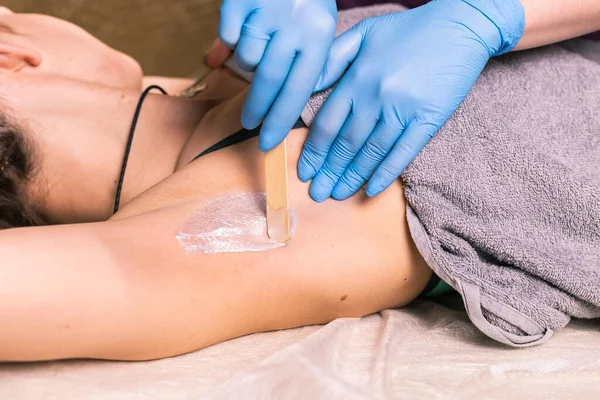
pixel 80 132
pixel 165 124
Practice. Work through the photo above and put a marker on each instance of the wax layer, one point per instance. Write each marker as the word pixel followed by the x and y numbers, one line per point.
pixel 233 223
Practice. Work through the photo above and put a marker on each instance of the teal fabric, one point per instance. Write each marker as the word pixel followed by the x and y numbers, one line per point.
pixel 440 289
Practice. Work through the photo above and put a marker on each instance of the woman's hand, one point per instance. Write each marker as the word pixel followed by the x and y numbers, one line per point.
pixel 286 42
pixel 217 54
pixel 402 76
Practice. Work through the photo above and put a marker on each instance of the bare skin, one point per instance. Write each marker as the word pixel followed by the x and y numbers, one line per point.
pixel 47 45
pixel 125 289
pixel 549 22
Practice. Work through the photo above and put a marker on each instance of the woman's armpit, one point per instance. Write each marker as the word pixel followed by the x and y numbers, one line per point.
pixel 346 259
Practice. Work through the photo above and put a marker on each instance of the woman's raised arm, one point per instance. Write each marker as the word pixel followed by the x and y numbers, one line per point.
pixel 127 289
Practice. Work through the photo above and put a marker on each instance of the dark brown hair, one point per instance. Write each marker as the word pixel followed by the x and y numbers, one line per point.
pixel 16 171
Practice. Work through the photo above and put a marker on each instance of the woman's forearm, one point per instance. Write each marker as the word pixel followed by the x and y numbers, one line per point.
pixel 550 21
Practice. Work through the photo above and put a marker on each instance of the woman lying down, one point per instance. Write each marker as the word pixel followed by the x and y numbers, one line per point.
pixel 185 262
pixel 137 285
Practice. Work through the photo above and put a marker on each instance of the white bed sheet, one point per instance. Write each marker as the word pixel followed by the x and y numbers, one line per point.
pixel 423 351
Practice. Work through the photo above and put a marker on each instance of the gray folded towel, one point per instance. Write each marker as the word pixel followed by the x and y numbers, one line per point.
pixel 504 202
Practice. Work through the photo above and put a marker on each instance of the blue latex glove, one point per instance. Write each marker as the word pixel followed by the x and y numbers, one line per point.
pixel 405 75
pixel 287 43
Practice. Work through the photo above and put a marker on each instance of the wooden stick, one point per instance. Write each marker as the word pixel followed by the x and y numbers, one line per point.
pixel 278 211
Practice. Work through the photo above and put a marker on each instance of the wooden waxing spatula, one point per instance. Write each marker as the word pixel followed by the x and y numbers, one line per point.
pixel 278 210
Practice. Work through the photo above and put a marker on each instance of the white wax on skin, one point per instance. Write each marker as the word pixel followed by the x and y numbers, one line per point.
pixel 233 223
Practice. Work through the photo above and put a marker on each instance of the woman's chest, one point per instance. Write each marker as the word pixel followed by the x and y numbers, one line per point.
pixel 219 123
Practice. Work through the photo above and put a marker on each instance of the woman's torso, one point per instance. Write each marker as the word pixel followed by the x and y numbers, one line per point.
pixel 335 241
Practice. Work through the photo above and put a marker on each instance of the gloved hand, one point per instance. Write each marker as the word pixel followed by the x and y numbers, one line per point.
pixel 405 75
pixel 286 42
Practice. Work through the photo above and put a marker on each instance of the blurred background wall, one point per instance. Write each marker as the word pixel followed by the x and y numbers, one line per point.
pixel 168 37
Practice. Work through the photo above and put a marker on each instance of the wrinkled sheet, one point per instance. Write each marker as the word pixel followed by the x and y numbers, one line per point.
pixel 423 351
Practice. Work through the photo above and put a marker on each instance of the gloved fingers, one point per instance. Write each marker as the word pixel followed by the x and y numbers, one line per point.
pixel 267 83
pixel 346 146
pixel 325 128
pixel 343 52
pixel 412 141
pixel 233 15
pixel 372 154
pixel 253 42
pixel 292 98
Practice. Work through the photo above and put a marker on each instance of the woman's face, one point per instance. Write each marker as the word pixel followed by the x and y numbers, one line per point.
pixel 40 43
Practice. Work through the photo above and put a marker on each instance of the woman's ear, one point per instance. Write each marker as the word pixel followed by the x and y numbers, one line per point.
pixel 14 58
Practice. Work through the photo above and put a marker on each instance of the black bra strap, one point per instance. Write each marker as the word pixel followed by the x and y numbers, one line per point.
pixel 238 137
pixel 136 116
